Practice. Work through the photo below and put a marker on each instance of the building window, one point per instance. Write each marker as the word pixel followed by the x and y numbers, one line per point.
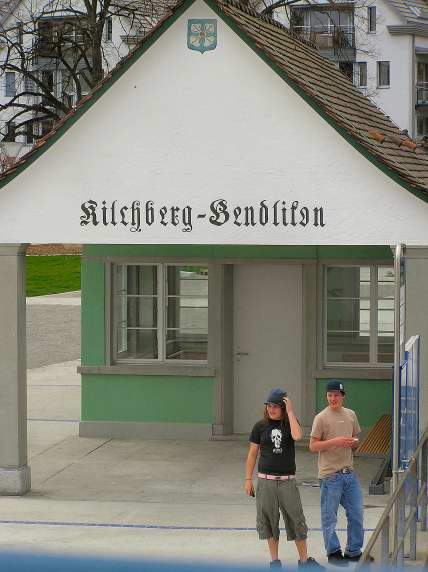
pixel 10 132
pixel 361 74
pixel 371 19
pixel 109 29
pixel 29 133
pixel 359 315
pixel 422 125
pixel 44 127
pixel 160 313
pixel 29 84
pixel 20 33
pixel 10 84
pixel 383 74
pixel 347 68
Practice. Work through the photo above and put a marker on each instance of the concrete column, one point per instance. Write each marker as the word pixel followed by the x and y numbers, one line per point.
pixel 14 471
pixel 417 315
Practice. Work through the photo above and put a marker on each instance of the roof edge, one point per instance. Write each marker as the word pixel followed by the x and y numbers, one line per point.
pixel 350 138
pixel 168 20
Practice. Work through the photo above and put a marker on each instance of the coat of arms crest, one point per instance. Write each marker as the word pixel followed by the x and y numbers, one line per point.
pixel 202 35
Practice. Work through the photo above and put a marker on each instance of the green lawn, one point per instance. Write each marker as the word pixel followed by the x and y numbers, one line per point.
pixel 52 274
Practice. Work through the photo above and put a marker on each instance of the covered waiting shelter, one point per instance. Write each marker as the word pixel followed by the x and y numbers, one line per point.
pixel 225 136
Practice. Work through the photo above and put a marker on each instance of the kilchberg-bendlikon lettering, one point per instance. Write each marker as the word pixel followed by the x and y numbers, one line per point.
pixel 138 215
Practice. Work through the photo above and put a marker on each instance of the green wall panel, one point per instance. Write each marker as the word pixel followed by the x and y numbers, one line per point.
pixel 369 398
pixel 150 398
pixel 252 251
pixel 93 313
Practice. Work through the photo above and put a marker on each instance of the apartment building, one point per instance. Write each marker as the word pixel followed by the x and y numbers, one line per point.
pixel 381 45
pixel 48 60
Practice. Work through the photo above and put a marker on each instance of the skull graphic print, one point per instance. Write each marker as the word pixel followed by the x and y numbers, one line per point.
pixel 276 437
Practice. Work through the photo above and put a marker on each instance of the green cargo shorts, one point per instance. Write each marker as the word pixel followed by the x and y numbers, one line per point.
pixel 273 497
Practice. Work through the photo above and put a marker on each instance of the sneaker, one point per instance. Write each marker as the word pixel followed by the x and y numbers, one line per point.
pixel 337 559
pixel 311 564
pixel 275 564
pixel 356 558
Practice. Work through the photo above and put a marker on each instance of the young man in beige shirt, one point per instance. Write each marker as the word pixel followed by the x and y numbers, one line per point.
pixel 334 436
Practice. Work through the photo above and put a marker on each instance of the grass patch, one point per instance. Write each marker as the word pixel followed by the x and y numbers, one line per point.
pixel 52 274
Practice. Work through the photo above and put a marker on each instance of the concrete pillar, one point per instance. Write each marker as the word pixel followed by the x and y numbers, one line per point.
pixel 14 471
pixel 417 315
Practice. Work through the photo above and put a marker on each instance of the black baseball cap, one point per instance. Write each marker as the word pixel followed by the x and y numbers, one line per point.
pixel 336 385
pixel 276 396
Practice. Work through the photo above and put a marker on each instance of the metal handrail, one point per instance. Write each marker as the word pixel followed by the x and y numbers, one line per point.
pixel 417 474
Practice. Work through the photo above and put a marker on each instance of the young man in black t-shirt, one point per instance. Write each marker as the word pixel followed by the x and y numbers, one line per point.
pixel 273 437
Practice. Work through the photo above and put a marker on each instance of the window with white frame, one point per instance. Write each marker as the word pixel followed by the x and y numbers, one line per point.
pixel 108 29
pixel 360 74
pixel 383 74
pixel 160 313
pixel 371 19
pixel 359 315
pixel 10 84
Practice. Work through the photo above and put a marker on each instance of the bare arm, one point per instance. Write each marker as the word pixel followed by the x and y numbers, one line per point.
pixel 316 445
pixel 253 451
pixel 296 430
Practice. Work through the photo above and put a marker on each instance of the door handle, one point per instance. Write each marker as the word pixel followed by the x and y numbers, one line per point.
pixel 242 354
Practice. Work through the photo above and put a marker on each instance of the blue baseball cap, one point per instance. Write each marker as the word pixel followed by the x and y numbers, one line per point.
pixel 276 396
pixel 335 385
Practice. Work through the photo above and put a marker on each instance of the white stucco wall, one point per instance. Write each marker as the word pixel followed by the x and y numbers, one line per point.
pixel 181 128
pixel 396 100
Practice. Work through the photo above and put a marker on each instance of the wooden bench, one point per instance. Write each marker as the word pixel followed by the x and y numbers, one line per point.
pixel 377 442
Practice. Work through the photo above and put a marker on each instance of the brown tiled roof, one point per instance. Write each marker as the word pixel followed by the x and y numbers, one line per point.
pixel 322 85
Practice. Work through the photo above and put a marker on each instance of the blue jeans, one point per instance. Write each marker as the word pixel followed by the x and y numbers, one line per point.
pixel 342 489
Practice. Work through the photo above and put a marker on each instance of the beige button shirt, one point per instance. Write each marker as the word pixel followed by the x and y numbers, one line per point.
pixel 329 424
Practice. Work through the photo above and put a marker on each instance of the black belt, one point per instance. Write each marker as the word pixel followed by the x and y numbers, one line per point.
pixel 345 471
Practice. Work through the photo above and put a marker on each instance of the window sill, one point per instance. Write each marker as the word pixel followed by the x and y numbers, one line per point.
pixel 354 372
pixel 149 369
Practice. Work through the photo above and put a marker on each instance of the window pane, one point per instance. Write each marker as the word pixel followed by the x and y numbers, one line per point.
pixel 348 282
pixel 137 344
pixel 385 348
pixel 187 345
pixel 371 16
pixel 10 89
pixel 348 315
pixel 140 312
pixel 385 320
pixel 187 313
pixel 383 74
pixel 362 74
pixel 136 279
pixel 385 315
pixel 385 274
pixel 348 347
pixel 187 281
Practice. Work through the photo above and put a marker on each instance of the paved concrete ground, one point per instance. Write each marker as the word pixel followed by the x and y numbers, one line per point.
pixel 152 499
pixel 47 339
pixel 160 499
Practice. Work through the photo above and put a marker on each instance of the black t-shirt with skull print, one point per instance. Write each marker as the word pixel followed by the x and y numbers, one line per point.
pixel 277 455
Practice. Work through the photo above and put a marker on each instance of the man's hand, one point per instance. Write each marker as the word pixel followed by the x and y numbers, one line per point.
pixel 346 442
pixel 288 405
pixel 249 488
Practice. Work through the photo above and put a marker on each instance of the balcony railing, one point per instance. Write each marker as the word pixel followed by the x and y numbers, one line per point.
pixel 328 37
pixel 422 93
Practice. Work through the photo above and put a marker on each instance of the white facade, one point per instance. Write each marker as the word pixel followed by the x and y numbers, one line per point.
pixel 119 36
pixel 180 144
pixel 393 43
